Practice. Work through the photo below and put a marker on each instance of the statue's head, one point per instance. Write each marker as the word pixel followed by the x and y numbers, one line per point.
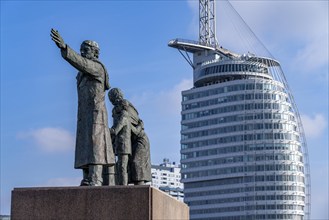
pixel 89 49
pixel 115 95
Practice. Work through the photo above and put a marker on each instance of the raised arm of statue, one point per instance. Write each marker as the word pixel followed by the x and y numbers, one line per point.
pixel 84 65
pixel 87 62
pixel 56 37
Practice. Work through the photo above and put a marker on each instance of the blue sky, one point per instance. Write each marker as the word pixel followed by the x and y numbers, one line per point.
pixel 38 88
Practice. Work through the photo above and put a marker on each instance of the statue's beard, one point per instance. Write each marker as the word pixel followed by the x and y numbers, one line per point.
pixel 88 56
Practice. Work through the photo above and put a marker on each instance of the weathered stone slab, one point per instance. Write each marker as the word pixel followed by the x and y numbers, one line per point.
pixel 106 202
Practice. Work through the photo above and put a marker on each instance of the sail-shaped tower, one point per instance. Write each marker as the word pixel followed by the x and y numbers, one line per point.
pixel 243 150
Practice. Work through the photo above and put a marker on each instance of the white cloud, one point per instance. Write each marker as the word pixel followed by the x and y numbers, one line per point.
pixel 314 126
pixel 50 139
pixel 170 100
pixel 312 55
pixel 63 182
pixel 319 175
pixel 166 101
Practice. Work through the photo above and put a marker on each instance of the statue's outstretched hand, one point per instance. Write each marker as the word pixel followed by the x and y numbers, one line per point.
pixel 56 37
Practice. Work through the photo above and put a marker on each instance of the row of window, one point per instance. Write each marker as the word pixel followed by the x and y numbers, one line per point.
pixel 171 181
pixel 240 138
pixel 256 217
pixel 245 169
pixel 254 198
pixel 236 209
pixel 246 158
pixel 235 108
pixel 247 189
pixel 244 179
pixel 235 98
pixel 269 85
pixel 165 174
pixel 234 68
pixel 239 148
pixel 224 78
pixel 272 146
pixel 239 117
pixel 239 128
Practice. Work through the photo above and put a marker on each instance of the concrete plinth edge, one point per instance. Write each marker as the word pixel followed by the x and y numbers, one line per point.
pixel 106 202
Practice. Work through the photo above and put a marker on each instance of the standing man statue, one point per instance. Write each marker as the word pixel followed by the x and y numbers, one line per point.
pixel 130 142
pixel 93 149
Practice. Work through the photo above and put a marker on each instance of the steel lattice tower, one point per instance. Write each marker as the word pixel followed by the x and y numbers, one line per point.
pixel 207 23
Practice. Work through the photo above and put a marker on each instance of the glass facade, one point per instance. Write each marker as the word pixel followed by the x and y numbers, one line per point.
pixel 243 151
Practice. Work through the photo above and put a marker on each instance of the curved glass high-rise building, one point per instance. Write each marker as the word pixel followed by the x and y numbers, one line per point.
pixel 243 150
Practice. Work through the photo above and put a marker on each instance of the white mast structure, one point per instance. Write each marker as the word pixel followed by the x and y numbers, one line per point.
pixel 207 23
pixel 207 35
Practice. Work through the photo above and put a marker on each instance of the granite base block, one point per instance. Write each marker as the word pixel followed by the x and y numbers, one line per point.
pixel 107 202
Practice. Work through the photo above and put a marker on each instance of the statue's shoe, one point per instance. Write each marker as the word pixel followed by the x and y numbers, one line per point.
pixel 95 183
pixel 85 182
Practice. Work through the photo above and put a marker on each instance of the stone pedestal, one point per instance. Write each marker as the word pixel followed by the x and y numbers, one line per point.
pixel 106 202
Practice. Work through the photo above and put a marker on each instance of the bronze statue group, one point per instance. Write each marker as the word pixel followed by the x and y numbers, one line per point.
pixel 119 155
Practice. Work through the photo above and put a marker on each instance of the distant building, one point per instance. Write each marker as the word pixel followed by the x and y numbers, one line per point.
pixel 4 217
pixel 166 177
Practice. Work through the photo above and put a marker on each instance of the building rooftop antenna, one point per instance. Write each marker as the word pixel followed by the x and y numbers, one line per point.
pixel 207 23
pixel 207 35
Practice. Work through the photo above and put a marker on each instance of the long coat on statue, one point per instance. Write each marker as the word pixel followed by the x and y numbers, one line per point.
pixel 124 117
pixel 141 162
pixel 93 139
